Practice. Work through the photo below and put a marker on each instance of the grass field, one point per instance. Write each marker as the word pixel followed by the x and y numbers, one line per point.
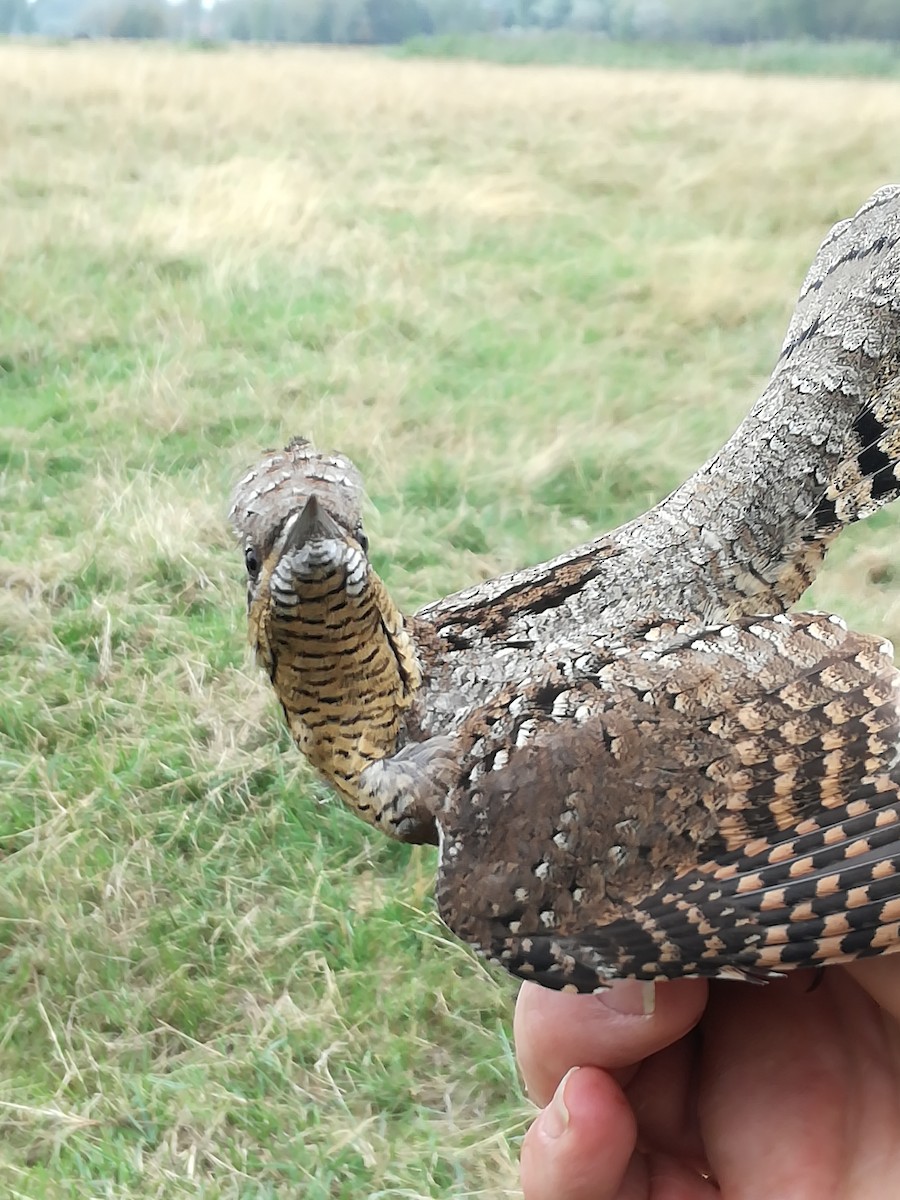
pixel 526 302
pixel 841 57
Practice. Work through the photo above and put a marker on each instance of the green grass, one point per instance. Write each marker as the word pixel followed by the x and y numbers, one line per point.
pixel 803 57
pixel 526 304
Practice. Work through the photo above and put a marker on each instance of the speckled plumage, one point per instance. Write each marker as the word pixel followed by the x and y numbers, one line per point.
pixel 635 761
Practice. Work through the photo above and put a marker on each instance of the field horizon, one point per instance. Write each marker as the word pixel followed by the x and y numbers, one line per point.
pixel 840 57
pixel 526 303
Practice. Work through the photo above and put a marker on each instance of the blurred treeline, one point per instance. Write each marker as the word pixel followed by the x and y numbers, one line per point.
pixel 392 21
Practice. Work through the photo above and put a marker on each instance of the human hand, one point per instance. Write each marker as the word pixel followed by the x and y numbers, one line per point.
pixel 735 1091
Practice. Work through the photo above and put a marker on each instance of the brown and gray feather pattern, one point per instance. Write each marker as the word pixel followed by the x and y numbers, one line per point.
pixel 635 761
pixel 725 802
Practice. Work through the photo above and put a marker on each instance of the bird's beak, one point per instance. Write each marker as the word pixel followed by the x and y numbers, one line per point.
pixel 312 524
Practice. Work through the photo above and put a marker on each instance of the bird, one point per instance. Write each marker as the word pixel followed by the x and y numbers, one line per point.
pixel 635 759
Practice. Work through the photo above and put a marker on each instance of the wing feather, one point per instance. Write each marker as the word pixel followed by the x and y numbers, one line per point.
pixel 664 817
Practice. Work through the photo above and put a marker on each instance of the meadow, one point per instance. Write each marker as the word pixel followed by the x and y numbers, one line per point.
pixel 842 57
pixel 526 302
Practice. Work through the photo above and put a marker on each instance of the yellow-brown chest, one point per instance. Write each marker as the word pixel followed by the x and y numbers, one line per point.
pixel 344 670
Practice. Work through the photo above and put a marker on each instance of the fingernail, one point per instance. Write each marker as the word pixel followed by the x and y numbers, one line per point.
pixel 555 1120
pixel 631 997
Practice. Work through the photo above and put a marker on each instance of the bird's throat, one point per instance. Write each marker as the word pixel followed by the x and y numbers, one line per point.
pixel 344 668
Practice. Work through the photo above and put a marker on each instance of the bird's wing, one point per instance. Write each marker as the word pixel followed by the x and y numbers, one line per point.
pixel 716 804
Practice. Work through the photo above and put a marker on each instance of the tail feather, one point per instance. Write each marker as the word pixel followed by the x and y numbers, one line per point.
pixel 821 448
pixel 869 476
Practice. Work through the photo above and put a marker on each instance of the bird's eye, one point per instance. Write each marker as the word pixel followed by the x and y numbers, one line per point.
pixel 251 562
pixel 363 541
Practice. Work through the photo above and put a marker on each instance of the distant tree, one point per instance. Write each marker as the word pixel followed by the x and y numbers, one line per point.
pixel 720 21
pixel 139 19
pixel 519 13
pixel 589 16
pixel 652 20
pixel 459 16
pixel 236 22
pixel 186 18
pixel 765 20
pixel 804 18
pixel 56 18
pixel 551 14
pixel 878 19
pixel 498 13
pixel 320 22
pixel 395 20
pixel 348 21
pixel 621 20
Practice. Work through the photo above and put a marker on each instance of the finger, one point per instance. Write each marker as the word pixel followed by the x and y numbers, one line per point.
pixel 581 1145
pixel 613 1030
pixel 880 977
pixel 775 1074
pixel 663 1097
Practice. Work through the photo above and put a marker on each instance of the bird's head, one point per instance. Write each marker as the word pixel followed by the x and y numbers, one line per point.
pixel 298 517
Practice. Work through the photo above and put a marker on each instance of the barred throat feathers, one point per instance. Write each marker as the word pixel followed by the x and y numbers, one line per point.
pixel 324 628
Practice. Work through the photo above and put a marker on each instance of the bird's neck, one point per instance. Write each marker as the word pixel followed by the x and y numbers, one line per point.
pixel 345 668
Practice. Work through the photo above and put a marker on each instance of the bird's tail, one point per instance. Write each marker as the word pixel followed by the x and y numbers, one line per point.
pixel 868 475
pixel 821 447
pixel 852 293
